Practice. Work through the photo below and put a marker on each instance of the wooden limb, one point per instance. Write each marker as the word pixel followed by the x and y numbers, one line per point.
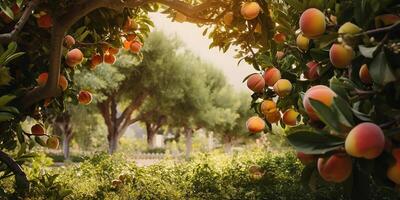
pixel 13 35
pixel 21 180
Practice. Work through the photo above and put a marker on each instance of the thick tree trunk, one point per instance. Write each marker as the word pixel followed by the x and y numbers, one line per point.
pixel 112 144
pixel 66 141
pixel 63 127
pixel 188 142
pixel 151 139
pixel 227 144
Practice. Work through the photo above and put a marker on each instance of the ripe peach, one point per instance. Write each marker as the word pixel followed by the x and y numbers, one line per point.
pixel 366 140
pixel 305 159
pixel 283 87
pixel 69 41
pixel 273 117
pixel 312 23
pixel 53 142
pixel 74 57
pixel 320 93
pixel 96 60
pixel 255 124
pixel 336 168
pixel 279 38
pixel 341 55
pixel 42 79
pixel 250 10
pixel 302 42
pixel 393 172
pixel 109 58
pixel 312 70
pixel 256 83
pixel 37 130
pixel 135 46
pixel 127 44
pixel 84 97
pixel 63 82
pixel 279 55
pixel 271 76
pixel 45 21
pixel 113 50
pixel 228 18
pixel 349 28
pixel 131 37
pixel 365 77
pixel 179 17
pixel 268 106
pixel 290 117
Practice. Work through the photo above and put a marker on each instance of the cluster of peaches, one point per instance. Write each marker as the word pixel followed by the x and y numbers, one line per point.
pixel 52 141
pixel 366 140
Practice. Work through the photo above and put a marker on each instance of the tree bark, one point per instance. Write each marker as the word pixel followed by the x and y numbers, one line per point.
pixel 66 141
pixel 112 144
pixel 63 127
pixel 188 142
pixel 227 144
pixel 150 135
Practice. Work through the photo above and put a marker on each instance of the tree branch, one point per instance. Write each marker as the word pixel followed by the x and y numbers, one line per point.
pixel 13 35
pixel 135 104
pixel 21 180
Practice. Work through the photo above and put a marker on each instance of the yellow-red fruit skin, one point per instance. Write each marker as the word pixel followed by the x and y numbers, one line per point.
pixel 312 71
pixel 283 87
pixel 256 83
pixel 42 78
pixel 45 21
pixel 302 42
pixel 393 172
pixel 279 55
pixel 305 159
pixel 312 23
pixel 320 93
pixel 290 117
pixel 268 106
pixel 335 168
pixel 366 140
pixel 135 46
pixel 340 55
pixel 365 77
pixel 255 124
pixel 74 57
pixel 84 97
pixel 109 59
pixel 280 38
pixel 250 10
pixel 62 81
pixel 53 142
pixel 271 76
pixel 69 41
pixel 37 130
pixel 273 117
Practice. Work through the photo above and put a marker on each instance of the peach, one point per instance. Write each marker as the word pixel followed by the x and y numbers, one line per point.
pixel 312 70
pixel 135 46
pixel 396 154
pixel 273 117
pixel 290 117
pixel 256 83
pixel 74 57
pixel 130 37
pixel 279 55
pixel 84 97
pixel 302 42
pixel 320 93
pixel 228 18
pixel 349 28
pixel 45 21
pixel 271 76
pixel 312 23
pixel 127 44
pixel 341 55
pixel 393 172
pixel 250 10
pixel 366 140
pixel 279 38
pixel 69 41
pixel 37 130
pixel 255 124
pixel 268 106
pixel 109 58
pixel 130 25
pixel 113 50
pixel 62 81
pixel 96 60
pixel 179 17
pixel 283 87
pixel 335 168
pixel 53 142
pixel 365 77
pixel 305 159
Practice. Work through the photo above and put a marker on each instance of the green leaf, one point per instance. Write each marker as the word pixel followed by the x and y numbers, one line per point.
pixel 345 110
pixel 295 4
pixel 12 47
pixel 314 143
pixel 367 52
pixel 5 116
pixel 263 60
pixel 338 87
pixel 8 12
pixel 9 109
pixel 12 57
pixel 326 40
pixel 40 141
pixel 5 99
pixel 326 114
pixel 380 70
pixel 361 116
pixel 319 54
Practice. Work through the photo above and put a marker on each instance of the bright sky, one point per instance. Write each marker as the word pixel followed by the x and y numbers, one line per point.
pixel 192 36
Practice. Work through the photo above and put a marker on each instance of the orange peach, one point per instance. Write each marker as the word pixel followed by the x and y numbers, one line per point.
pixel 37 130
pixel 74 57
pixel 268 106
pixel 53 142
pixel 250 10
pixel 113 50
pixel 366 140
pixel 130 25
pixel 312 70
pixel 305 159
pixel 393 172
pixel 127 44
pixel 302 42
pixel 283 87
pixel 228 18
pixel 135 46
pixel 290 117
pixel 396 154
pixel 130 37
pixel 96 60
pixel 84 97
pixel 312 23
pixel 341 55
pixel 62 81
pixel 320 93
pixel 365 77
pixel 45 21
pixel 271 76
pixel 109 58
pixel 335 168
pixel 273 117
pixel 256 83
pixel 69 41
pixel 279 38
pixel 255 124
